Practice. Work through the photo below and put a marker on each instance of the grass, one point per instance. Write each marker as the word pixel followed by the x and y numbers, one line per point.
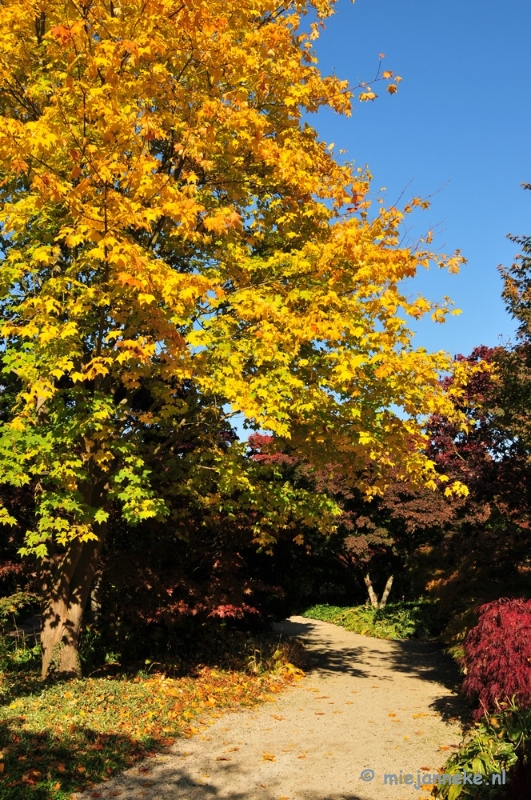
pixel 405 620
pixel 59 738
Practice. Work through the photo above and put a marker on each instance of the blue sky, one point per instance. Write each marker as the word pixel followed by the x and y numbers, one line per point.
pixel 459 126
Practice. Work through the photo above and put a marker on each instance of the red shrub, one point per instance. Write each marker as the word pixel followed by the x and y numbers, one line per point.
pixel 498 655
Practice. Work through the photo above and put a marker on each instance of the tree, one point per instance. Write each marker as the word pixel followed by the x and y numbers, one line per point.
pixel 171 228
pixel 515 390
pixel 491 524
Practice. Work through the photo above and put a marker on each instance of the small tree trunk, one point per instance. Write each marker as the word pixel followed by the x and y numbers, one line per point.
pixel 386 592
pixel 372 594
pixel 373 597
pixel 95 599
pixel 66 589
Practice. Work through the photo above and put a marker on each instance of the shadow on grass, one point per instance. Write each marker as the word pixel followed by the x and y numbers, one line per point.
pixel 50 766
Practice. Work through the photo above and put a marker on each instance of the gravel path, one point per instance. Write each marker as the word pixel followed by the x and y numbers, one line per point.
pixel 365 704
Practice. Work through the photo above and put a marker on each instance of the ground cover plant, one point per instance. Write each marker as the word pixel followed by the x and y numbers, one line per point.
pixel 403 620
pixel 499 742
pixel 59 737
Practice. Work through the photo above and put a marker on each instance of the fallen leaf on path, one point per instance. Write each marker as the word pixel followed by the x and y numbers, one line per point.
pixel 443 747
pixel 319 713
pixel 276 716
pixel 392 714
pixel 419 733
pixel 268 757
pixel 418 716
pixel 303 756
pixel 223 758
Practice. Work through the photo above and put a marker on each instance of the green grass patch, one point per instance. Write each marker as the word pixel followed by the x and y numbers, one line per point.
pixel 406 620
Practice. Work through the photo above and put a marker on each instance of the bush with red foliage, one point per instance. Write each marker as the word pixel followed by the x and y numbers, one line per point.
pixel 497 656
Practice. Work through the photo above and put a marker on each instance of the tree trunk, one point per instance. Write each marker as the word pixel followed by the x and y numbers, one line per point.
pixel 95 600
pixel 386 592
pixel 373 597
pixel 66 588
pixel 372 594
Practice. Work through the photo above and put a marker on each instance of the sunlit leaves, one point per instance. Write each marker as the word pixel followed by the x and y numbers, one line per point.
pixel 170 223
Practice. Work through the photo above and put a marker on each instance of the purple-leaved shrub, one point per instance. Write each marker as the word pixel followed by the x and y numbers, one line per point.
pixel 497 656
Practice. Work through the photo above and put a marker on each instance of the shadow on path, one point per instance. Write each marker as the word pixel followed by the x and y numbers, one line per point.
pixel 419 660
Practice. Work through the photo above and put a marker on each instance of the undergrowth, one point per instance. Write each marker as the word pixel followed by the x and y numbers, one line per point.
pixel 403 620
pixel 497 743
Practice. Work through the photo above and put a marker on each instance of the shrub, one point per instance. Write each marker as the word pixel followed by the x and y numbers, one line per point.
pixel 497 656
pixel 497 743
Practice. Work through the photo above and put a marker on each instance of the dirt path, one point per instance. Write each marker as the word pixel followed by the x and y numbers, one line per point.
pixel 366 704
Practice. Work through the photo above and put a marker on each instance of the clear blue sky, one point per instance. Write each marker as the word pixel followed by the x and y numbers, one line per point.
pixel 460 123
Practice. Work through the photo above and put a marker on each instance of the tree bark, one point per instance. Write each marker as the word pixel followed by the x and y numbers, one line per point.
pixel 386 591
pixel 372 594
pixel 66 584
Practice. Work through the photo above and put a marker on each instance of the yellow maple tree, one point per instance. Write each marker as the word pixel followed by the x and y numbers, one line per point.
pixel 169 218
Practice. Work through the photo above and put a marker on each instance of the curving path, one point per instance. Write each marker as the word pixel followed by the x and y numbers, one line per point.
pixel 365 704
